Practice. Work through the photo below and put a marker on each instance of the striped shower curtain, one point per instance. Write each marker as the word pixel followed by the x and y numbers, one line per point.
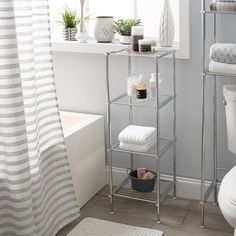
pixel 36 192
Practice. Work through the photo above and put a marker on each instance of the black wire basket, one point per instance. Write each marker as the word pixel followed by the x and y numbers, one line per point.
pixel 141 185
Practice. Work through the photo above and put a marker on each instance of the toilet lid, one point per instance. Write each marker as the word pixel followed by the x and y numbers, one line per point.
pixel 229 91
pixel 228 185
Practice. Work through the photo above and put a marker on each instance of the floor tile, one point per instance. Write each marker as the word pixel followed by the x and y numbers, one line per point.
pixel 179 203
pixel 215 222
pixel 188 231
pixel 118 217
pixel 143 209
pixel 179 217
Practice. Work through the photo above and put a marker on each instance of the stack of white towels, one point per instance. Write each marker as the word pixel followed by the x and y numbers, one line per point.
pixel 137 138
pixel 223 5
pixel 223 58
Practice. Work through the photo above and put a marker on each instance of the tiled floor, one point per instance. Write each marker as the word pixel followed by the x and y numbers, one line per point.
pixel 178 217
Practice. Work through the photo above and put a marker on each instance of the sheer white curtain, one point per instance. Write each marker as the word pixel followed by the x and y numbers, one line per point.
pixel 36 192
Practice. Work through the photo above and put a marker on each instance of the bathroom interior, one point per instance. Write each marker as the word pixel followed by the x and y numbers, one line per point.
pixel 117 118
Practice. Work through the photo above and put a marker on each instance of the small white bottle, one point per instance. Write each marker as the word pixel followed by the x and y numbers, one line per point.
pixel 153 85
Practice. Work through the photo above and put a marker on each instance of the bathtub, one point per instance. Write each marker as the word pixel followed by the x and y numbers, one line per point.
pixel 85 145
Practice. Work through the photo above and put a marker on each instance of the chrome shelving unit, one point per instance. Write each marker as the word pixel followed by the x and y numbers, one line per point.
pixel 205 193
pixel 124 189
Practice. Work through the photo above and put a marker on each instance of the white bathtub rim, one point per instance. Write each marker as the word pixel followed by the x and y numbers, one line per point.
pixel 90 118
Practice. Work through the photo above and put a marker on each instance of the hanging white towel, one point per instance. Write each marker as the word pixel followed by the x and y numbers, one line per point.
pixel 223 68
pixel 137 134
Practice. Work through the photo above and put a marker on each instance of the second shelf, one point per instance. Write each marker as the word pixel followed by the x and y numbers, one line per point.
pixel 125 100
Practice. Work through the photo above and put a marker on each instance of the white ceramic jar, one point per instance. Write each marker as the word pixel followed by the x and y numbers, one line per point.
pixel 104 29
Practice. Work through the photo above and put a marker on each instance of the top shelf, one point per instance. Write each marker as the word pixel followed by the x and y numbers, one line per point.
pixel 156 53
pixel 218 12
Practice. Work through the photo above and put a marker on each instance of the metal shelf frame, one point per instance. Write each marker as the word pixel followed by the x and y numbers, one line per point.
pixel 205 193
pixel 159 149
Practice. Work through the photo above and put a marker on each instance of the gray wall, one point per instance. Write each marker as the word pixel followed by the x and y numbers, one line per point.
pixel 80 80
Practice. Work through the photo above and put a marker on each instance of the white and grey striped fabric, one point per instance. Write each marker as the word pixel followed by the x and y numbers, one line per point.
pixel 36 192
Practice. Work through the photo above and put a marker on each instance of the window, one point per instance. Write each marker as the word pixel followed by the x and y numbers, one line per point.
pixel 149 11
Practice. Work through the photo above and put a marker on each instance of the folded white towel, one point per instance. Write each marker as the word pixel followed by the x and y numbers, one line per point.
pixel 223 68
pixel 137 134
pixel 137 147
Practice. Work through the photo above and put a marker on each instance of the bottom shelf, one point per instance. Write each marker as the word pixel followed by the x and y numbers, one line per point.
pixel 125 191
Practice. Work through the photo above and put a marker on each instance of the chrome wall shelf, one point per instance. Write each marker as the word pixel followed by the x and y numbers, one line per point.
pixel 157 152
pixel 205 192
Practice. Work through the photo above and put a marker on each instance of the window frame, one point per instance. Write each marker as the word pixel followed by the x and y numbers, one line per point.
pixel 183 46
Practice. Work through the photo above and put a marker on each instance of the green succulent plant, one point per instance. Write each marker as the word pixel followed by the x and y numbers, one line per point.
pixel 123 27
pixel 69 18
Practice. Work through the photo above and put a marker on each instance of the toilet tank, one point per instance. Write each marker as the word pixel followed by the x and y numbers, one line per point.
pixel 229 92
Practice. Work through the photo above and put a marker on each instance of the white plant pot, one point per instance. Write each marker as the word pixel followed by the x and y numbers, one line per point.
pixel 104 29
pixel 167 26
pixel 125 39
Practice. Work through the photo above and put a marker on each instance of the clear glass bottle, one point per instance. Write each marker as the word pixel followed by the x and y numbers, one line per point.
pixel 132 82
pixel 141 88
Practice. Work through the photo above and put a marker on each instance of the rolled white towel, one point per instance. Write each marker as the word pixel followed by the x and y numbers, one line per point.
pixel 223 52
pixel 223 68
pixel 137 134
pixel 223 6
pixel 137 147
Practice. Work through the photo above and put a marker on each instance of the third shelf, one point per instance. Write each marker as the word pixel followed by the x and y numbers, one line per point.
pixel 165 145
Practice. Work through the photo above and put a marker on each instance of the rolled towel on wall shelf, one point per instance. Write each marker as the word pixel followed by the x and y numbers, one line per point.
pixel 225 6
pixel 223 53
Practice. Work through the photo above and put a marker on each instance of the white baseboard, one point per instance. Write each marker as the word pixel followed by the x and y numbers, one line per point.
pixel 186 187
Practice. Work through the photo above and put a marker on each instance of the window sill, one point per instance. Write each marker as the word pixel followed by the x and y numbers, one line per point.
pixel 92 47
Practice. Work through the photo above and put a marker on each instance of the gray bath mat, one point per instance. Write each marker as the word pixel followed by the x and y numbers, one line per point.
pixel 95 227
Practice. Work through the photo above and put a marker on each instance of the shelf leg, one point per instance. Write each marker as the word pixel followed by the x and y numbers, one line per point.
pixel 215 131
pixel 110 183
pixel 158 186
pixel 202 215
pixel 203 154
pixel 203 33
pixel 109 154
pixel 158 191
pixel 130 110
pixel 174 125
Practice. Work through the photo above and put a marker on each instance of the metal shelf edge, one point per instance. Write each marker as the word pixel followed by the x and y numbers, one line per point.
pixel 163 150
pixel 137 195
pixel 165 101
pixel 218 74
pixel 217 12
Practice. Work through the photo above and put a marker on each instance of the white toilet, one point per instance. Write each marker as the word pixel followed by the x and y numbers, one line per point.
pixel 227 192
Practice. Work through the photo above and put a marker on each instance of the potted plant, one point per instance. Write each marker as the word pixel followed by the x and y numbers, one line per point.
pixel 123 27
pixel 70 21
